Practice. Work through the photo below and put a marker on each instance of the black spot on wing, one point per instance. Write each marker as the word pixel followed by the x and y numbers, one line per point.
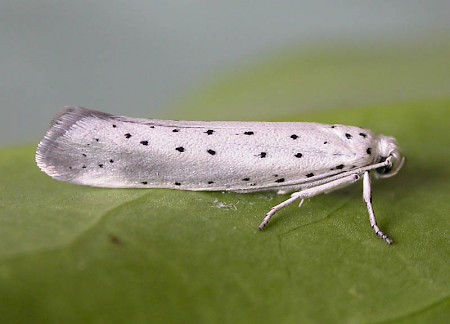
pixel 338 167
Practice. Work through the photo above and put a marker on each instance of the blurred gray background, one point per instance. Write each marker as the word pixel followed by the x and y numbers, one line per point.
pixel 138 57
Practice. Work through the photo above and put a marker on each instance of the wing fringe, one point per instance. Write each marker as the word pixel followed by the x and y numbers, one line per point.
pixel 68 117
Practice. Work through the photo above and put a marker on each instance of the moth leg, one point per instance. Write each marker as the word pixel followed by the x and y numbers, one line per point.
pixel 308 193
pixel 367 196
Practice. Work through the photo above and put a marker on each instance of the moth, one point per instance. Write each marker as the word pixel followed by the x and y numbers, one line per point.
pixel 92 148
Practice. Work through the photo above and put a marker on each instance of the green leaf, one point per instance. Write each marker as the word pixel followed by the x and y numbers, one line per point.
pixel 79 254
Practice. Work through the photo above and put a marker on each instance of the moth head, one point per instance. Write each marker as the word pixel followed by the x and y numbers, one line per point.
pixel 389 152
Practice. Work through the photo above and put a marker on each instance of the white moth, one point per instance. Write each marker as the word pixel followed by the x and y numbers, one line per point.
pixel 92 148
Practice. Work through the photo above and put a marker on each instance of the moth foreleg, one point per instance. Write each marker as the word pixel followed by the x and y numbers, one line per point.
pixel 309 193
pixel 367 196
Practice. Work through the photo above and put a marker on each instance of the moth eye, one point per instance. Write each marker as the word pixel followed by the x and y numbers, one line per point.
pixel 383 170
